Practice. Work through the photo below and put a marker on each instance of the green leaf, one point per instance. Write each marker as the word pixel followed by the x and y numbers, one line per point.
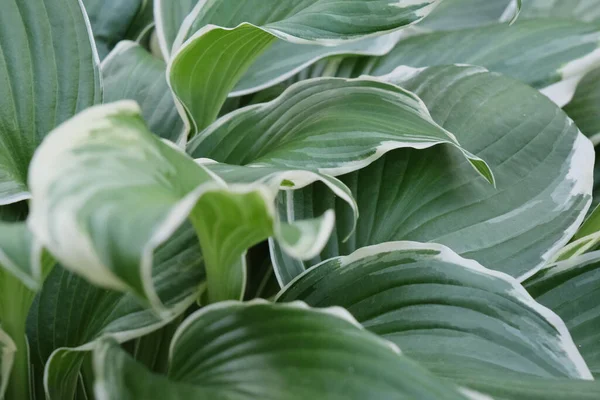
pixel 452 315
pixel 286 179
pixel 23 266
pixel 586 239
pixel 570 288
pixel 110 21
pixel 458 14
pixel 48 72
pixel 585 10
pixel 22 256
pixel 131 72
pixel 284 59
pixel 542 165
pixel 169 16
pixel 70 316
pixel 584 105
pixel 532 388
pixel 310 127
pixel 7 355
pixel 107 193
pixel 143 22
pixel 202 75
pixel 260 350
pixel 551 55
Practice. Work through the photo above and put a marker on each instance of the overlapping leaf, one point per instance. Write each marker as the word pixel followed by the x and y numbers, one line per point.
pixel 542 165
pixel 21 256
pixel 584 106
pixel 309 126
pixel 201 74
pixel 48 72
pixel 130 72
pixel 108 193
pixel 7 354
pixel 539 52
pixel 110 21
pixel 22 268
pixel 284 59
pixel 169 16
pixel 70 316
pixel 457 318
pixel 571 288
pixel 585 10
pixel 459 14
pixel 270 351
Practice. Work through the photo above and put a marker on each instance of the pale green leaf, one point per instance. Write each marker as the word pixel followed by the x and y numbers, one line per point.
pixel 452 315
pixel 201 74
pixel 7 355
pixel 110 21
pixel 541 162
pixel 571 289
pixel 108 193
pixel 260 350
pixel 48 72
pixel 330 125
pixel 131 72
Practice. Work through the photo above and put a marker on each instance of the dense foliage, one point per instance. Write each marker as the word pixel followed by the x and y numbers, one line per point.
pixel 299 199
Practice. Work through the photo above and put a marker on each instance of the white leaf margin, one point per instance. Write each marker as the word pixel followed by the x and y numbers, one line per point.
pixel 448 255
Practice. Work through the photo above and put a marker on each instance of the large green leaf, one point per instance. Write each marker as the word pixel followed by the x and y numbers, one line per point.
pixel 48 72
pixel 107 193
pixel 571 289
pixel 584 106
pixel 585 10
pixel 131 72
pixel 201 74
pixel 330 125
pixel 542 165
pixel 7 355
pixel 259 350
pixel 548 54
pixel 110 21
pixel 70 316
pixel 454 316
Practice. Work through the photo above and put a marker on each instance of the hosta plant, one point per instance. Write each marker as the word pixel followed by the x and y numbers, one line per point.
pixel 268 199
